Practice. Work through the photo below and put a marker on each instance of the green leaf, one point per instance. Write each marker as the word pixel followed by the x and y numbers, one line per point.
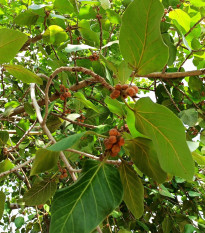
pixel 194 194
pixel 55 34
pixel 19 221
pixel 85 204
pixel 105 4
pixel 182 18
pixel 123 73
pixel 133 190
pixel 200 159
pixel 141 42
pixel 167 225
pixel 53 123
pixel 23 74
pixel 145 158
pixel 4 137
pixel 115 106
pixel 88 35
pixel 164 191
pixel 189 116
pixel 6 165
pixel 168 136
pixel 74 47
pixel 131 124
pixel 198 3
pixel 27 18
pixel 29 109
pixel 172 48
pixel 86 102
pixel 45 160
pixel 10 43
pixel 2 202
pixel 113 16
pixel 67 142
pixel 195 83
pixel 63 6
pixel 40 193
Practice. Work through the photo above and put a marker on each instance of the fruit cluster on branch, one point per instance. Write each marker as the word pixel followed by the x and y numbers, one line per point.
pixel 114 142
pixel 65 93
pixel 124 91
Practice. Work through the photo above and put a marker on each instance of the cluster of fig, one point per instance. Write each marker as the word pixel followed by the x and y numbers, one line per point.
pixel 81 119
pixel 194 131
pixel 65 93
pixel 67 111
pixel 94 57
pixel 124 91
pixel 114 142
pixel 64 173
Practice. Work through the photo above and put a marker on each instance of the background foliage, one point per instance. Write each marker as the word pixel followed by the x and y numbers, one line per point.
pixel 60 63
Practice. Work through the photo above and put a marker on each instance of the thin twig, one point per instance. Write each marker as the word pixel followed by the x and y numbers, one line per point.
pixel 47 131
pixel 16 168
pixel 170 97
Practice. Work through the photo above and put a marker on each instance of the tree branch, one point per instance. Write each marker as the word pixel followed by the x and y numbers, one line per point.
pixel 172 75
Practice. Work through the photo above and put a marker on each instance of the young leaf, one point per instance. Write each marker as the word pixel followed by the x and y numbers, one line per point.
pixel 168 136
pixel 23 74
pixel 2 202
pixel 55 34
pixel 145 158
pixel 141 42
pixel 45 160
pixel 133 190
pixel 83 205
pixel 40 193
pixel 10 43
pixel 6 165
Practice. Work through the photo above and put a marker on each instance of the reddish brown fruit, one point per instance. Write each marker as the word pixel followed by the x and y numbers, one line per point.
pixel 65 175
pixel 118 87
pixel 67 94
pixel 131 91
pixel 113 154
pixel 82 120
pixel 136 89
pixel 116 93
pixel 107 144
pixel 61 177
pixel 125 86
pixel 62 97
pixel 125 96
pixel 40 206
pixel 112 139
pixel 112 96
pixel 121 141
pixel 64 170
pixel 115 149
pixel 113 132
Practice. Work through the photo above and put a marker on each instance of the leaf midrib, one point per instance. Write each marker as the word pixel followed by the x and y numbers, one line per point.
pixel 79 198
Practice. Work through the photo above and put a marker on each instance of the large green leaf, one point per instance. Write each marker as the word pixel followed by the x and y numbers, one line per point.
pixel 141 42
pixel 200 159
pixel 23 74
pixel 2 202
pixel 133 190
pixel 45 160
pixel 85 204
pixel 40 193
pixel 145 158
pixel 168 136
pixel 10 43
